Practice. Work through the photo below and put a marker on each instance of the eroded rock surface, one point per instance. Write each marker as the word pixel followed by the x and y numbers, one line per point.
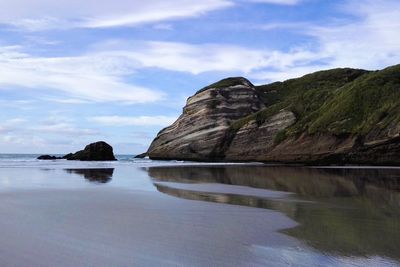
pixel 206 117
pixel 253 140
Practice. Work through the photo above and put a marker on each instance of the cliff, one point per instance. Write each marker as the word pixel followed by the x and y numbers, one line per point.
pixel 207 116
pixel 338 116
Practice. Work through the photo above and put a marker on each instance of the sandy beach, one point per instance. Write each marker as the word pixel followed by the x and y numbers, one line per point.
pixel 97 227
pixel 125 215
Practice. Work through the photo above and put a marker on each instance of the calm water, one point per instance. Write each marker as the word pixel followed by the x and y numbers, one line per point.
pixel 341 216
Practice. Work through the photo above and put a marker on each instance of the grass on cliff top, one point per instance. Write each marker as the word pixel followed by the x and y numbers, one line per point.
pixel 371 101
pixel 226 83
pixel 338 101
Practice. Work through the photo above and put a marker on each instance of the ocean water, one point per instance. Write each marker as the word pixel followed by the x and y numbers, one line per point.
pixel 140 212
pixel 30 160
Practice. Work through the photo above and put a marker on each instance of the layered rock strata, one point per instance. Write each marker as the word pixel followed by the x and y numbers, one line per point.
pixel 199 131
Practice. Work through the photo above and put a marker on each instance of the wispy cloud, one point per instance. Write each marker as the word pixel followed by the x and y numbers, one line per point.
pixel 283 26
pixel 32 141
pixel 133 121
pixel 99 76
pixel 10 125
pixel 58 125
pixel 48 14
pixel 91 77
pixel 369 40
pixel 201 58
pixel 57 133
pixel 155 11
pixel 45 14
pixel 64 129
pixel 278 2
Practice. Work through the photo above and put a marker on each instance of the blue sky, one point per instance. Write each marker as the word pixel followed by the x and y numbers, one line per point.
pixel 73 72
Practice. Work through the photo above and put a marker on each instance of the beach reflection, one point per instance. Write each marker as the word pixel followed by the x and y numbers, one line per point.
pixel 99 175
pixel 346 212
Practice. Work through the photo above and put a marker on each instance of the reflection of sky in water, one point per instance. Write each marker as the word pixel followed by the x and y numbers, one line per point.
pixel 35 178
pixel 304 257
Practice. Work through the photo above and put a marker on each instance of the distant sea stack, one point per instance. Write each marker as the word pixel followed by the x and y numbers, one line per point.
pixel 99 151
pixel 338 116
pixel 48 157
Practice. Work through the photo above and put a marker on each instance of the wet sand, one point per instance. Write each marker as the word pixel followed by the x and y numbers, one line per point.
pixel 110 227
pixel 123 215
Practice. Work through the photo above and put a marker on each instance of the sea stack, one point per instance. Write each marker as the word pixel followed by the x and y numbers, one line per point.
pixel 99 151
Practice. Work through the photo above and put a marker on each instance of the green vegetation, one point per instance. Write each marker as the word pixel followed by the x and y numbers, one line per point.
pixel 338 101
pixel 225 83
pixel 280 137
pixel 358 107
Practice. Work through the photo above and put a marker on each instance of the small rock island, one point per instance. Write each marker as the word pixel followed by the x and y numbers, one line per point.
pixel 98 151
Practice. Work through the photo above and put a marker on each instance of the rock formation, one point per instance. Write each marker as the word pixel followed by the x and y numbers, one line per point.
pixel 207 116
pixel 339 116
pixel 141 156
pixel 48 157
pixel 99 151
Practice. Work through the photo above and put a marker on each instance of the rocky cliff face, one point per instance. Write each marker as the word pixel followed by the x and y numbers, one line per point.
pixel 199 131
pixel 340 116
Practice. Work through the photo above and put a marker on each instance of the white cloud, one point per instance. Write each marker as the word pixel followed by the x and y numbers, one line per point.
pixel 200 58
pixel 91 77
pixel 52 125
pixel 17 105
pixel 66 100
pixel 55 134
pixel 133 121
pixel 63 14
pixel 49 14
pixel 278 2
pixel 369 40
pixel 31 141
pixel 283 25
pixel 10 125
pixel 163 26
pixel 64 129
pixel 38 24
pixel 155 11
pixel 100 75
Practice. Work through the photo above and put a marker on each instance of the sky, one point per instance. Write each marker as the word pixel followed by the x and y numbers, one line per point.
pixel 74 72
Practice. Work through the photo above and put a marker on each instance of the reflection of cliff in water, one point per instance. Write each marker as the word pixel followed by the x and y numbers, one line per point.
pixel 353 211
pixel 232 199
pixel 306 182
pixel 99 175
